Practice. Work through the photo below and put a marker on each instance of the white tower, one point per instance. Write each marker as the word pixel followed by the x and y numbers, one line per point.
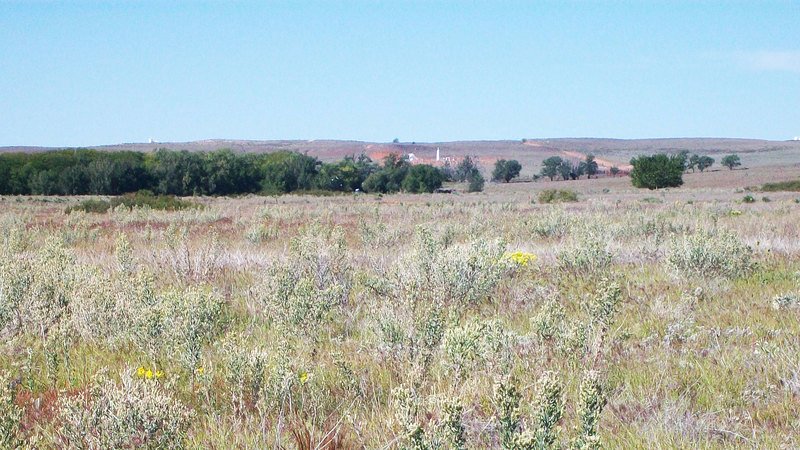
pixel 437 153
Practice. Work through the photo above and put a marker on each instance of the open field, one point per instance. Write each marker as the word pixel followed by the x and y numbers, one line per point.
pixel 646 319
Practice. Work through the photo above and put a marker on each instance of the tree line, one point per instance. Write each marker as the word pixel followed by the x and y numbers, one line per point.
pixel 224 172
pixel 220 172
pixel 662 170
pixel 556 166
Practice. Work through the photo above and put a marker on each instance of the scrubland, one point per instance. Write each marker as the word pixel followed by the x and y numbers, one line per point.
pixel 627 319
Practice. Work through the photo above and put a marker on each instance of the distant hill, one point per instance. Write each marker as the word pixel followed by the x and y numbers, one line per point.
pixel 530 152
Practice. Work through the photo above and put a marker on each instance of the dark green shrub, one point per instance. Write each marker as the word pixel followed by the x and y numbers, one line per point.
pixel 731 161
pixel 505 171
pixel 657 171
pixel 476 181
pixel 749 199
pixel 792 186
pixel 90 206
pixel 422 178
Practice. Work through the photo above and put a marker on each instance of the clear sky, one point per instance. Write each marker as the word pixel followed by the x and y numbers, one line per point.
pixel 99 72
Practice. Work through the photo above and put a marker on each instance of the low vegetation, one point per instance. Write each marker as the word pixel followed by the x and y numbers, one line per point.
pixel 421 322
pixel 557 196
pixel 791 186
pixel 139 199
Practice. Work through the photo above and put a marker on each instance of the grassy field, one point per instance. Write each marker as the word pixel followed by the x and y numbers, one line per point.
pixel 627 319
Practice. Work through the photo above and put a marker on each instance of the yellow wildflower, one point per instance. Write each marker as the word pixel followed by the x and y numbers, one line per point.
pixel 521 259
pixel 200 370
pixel 140 372
pixel 159 374
pixel 148 374
pixel 303 377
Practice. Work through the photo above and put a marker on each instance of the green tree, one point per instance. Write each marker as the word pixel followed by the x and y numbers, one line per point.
pixel 465 168
pixel 693 162
pixel 223 172
pixel 591 165
pixel 683 155
pixel 731 161
pixel 614 170
pixel 550 167
pixel 704 162
pixel 578 170
pixel 286 171
pixel 44 182
pixel 565 169
pixel 506 170
pixel 177 173
pixel 448 171
pixel 376 182
pixel 422 178
pixel 73 180
pixel 390 177
pixel 476 181
pixel 345 175
pixel 657 171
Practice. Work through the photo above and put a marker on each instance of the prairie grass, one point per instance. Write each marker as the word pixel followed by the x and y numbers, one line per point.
pixel 469 321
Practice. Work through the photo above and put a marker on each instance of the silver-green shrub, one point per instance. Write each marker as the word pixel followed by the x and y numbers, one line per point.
pixel 549 409
pixel 786 301
pixel 551 223
pixel 130 413
pixel 36 291
pixel 507 404
pixel 406 410
pixel 245 372
pixel 261 232
pixel 452 426
pixel 300 293
pixel 476 345
pixel 718 254
pixel 10 414
pixel 433 285
pixel 588 253
pixel 591 402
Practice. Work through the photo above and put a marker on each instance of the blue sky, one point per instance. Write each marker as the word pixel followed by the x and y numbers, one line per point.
pixel 96 72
